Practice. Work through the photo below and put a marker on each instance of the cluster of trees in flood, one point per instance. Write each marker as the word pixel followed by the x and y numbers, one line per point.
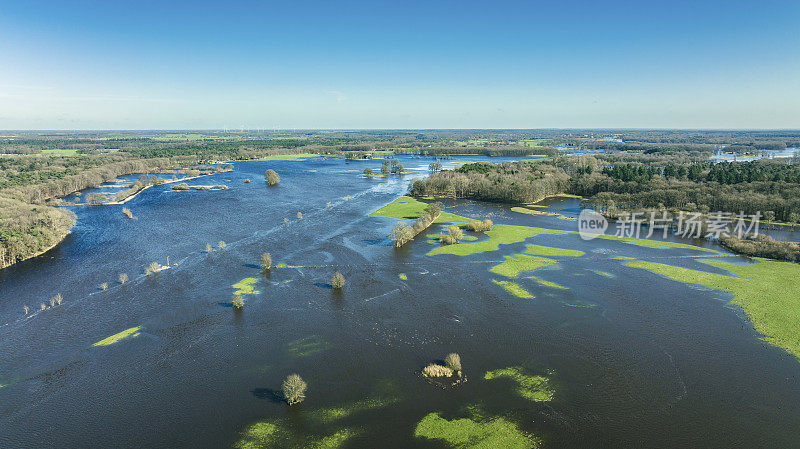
pixel 763 246
pixel 404 233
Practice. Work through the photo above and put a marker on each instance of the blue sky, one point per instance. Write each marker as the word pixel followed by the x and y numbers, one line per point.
pixel 400 64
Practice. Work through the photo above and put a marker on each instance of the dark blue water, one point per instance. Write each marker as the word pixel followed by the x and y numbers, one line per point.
pixel 636 360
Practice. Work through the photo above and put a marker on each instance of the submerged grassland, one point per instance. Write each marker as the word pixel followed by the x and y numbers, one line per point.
pixel 245 287
pixel 498 235
pixel 514 289
pixel 534 388
pixel 127 333
pixel 767 291
pixel 408 208
pixel 475 433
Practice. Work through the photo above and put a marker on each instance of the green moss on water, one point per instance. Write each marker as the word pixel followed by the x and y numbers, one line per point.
pixel 127 333
pixel 408 208
pixel 465 433
pixel 403 276
pixel 538 250
pixel 514 289
pixel 498 235
pixel 245 287
pixel 307 346
pixel 547 283
pixel 516 264
pixel 534 388
pixel 653 243
pixel 767 291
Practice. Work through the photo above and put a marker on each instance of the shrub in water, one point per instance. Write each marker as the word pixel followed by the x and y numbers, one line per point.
pixel 237 301
pixel 221 245
pixel 294 389
pixel 272 177
pixel 337 280
pixel 266 261
pixel 453 362
pixel 434 370
pixel 26 309
pixel 123 278
pixel 104 286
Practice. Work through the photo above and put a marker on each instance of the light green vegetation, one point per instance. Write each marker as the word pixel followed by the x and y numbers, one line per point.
pixel 287 157
pixel 534 388
pixel 403 276
pixel 653 243
pixel 525 210
pixel 538 250
pixel 478 433
pixel 307 346
pixel 516 264
pixel 268 434
pixel 281 265
pixel 547 283
pixel 622 258
pixel 327 415
pixel 128 333
pixel 603 273
pixel 767 291
pixel 498 235
pixel 564 217
pixel 59 152
pixel 245 287
pixel 514 289
pixel 408 208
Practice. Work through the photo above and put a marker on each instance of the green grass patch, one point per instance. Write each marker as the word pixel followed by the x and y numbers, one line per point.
pixel 547 283
pixel 538 250
pixel 127 333
pixel 516 264
pixel 408 208
pixel 330 414
pixel 59 152
pixel 307 346
pixel 498 235
pixel 622 258
pixel 403 276
pixel 525 210
pixel 287 157
pixel 767 291
pixel 465 433
pixel 514 289
pixel 534 388
pixel 603 273
pixel 245 287
pixel 654 243
pixel 277 434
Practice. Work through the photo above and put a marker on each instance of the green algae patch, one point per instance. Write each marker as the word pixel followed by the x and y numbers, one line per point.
pixel 514 289
pixel 516 264
pixel 767 291
pixel 465 433
pixel 307 346
pixel 403 276
pixel 622 258
pixel 245 287
pixel 534 388
pixel 662 244
pixel 498 235
pixel 408 208
pixel 547 283
pixel 525 210
pixel 538 250
pixel 269 434
pixel 127 333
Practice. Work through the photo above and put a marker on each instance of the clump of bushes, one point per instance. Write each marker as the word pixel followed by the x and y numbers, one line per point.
pixel 294 389
pixel 299 215
pixel 181 186
pixel 435 370
pixel 266 261
pixel 272 177
pixel 154 267
pixel 452 367
pixel 247 181
pixel 56 300
pixel 123 278
pixel 209 248
pixel 479 226
pixel 104 286
pixel 127 212
pixel 26 309
pixel 221 245
pixel 762 246
pixel 368 171
pixel 403 233
pixel 337 280
pixel 219 187
pixel 237 301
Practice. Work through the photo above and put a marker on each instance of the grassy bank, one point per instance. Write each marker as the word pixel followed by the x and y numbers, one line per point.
pixel 408 208
pixel 499 235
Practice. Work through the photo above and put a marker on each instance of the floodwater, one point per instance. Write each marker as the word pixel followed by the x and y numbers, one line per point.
pixel 636 360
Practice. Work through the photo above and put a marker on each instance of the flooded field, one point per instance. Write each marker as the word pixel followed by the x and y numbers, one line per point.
pixel 564 343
